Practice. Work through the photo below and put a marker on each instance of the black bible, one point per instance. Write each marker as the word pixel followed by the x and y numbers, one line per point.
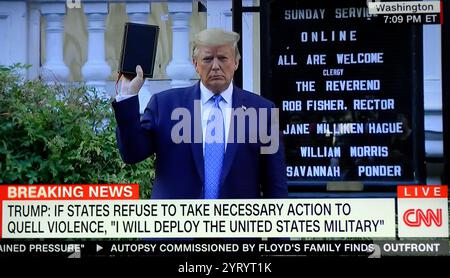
pixel 138 48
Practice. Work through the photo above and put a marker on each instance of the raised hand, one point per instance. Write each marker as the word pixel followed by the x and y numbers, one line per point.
pixel 130 85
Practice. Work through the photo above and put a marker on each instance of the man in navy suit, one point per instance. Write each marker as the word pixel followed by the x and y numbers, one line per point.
pixel 210 139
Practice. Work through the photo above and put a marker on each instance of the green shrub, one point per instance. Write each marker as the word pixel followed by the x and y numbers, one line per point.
pixel 56 135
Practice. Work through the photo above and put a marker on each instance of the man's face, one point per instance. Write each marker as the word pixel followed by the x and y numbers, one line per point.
pixel 216 65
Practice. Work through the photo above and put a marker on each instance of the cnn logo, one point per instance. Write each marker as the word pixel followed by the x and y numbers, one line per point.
pixel 417 217
pixel 422 210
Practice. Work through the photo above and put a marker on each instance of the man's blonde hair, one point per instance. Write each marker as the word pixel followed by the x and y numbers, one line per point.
pixel 216 37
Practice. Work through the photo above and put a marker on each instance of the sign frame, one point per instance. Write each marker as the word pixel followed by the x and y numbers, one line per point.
pixel 417 107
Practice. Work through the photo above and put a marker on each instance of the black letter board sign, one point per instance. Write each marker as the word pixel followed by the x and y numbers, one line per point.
pixel 350 92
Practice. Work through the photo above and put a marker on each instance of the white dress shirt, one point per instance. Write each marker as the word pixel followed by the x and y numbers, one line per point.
pixel 119 98
pixel 225 104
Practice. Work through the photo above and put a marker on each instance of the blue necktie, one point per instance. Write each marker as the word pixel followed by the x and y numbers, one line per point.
pixel 214 149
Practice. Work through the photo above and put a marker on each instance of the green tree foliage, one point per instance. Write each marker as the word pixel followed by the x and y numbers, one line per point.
pixel 50 134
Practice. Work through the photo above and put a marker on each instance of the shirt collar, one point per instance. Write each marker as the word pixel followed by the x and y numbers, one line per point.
pixel 206 94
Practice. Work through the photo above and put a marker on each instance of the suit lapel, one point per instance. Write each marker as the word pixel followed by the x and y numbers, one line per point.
pixel 196 129
pixel 238 101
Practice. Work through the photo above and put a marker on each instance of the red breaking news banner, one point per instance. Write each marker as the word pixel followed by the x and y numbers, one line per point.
pixel 69 192
pixel 66 192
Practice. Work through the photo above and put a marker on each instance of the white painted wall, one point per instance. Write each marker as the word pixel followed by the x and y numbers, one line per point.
pixel 13 32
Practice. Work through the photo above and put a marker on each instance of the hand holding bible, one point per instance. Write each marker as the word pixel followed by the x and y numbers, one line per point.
pixel 130 85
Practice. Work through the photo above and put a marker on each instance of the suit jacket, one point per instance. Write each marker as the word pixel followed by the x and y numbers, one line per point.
pixel 246 173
